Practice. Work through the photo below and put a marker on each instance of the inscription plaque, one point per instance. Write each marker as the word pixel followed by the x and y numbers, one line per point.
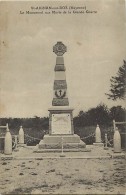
pixel 61 124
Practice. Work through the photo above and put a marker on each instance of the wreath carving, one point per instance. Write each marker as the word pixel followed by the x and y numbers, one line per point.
pixel 60 96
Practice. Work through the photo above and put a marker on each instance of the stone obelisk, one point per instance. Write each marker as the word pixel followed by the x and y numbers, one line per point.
pixel 60 114
pixel 60 97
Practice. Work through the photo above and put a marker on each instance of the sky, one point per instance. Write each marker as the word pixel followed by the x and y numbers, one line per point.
pixel 95 51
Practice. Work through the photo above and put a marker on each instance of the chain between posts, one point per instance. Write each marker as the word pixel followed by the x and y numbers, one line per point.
pixel 91 135
pixel 32 137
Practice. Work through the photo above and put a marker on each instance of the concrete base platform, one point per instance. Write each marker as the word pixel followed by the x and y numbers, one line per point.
pixel 106 148
pixel 60 150
pixel 98 144
pixel 53 143
pixel 21 145
pixel 55 157
pixel 16 150
pixel 90 152
pixel 119 155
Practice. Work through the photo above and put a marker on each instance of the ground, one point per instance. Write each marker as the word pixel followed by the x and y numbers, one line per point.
pixel 76 173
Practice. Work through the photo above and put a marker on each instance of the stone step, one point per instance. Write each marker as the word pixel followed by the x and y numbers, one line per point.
pixel 60 150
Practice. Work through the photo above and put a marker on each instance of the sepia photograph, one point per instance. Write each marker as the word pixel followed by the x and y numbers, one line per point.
pixel 62 97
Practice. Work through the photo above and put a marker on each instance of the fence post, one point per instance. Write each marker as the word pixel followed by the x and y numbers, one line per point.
pixel 114 125
pixel 8 142
pixel 62 154
pixel 16 141
pixel 106 141
pixel 21 135
pixel 98 141
pixel 117 141
pixel 98 135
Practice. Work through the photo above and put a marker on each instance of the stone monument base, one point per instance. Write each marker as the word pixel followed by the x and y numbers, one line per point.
pixel 53 143
pixel 21 145
pixel 98 144
pixel 106 148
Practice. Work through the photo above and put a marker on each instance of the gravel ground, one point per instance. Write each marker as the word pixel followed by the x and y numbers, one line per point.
pixel 62 175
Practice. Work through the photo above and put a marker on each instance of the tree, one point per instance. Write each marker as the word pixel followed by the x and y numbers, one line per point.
pixel 99 115
pixel 94 116
pixel 118 113
pixel 118 84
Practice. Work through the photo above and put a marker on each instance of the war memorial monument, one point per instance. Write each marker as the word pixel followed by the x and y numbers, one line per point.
pixel 84 169
pixel 61 127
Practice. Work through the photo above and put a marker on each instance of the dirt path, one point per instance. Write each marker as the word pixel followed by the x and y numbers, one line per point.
pixel 63 176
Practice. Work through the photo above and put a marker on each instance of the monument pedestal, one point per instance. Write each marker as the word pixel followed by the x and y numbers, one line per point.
pixel 55 142
pixel 61 132
pixel 61 120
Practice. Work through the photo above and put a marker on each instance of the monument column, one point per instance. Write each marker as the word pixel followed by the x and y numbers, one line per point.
pixel 60 97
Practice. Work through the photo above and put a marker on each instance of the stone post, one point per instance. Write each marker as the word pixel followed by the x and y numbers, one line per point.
pixel 62 153
pixel 106 141
pixel 16 142
pixel 21 135
pixel 50 121
pixel 72 126
pixel 117 141
pixel 98 137
pixel 8 142
pixel 15 139
pixel 114 125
